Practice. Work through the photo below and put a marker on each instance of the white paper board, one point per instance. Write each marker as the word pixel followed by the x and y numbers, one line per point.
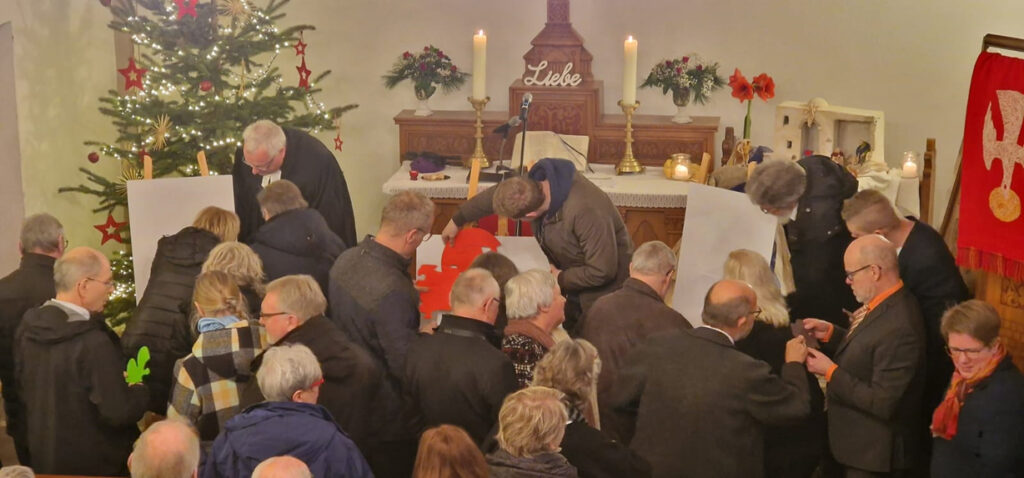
pixel 548 144
pixel 524 252
pixel 718 221
pixel 160 207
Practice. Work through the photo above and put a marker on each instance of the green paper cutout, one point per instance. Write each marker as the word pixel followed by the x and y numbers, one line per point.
pixel 137 368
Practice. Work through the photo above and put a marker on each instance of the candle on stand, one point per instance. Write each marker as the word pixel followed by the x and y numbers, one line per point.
pixel 681 172
pixel 479 65
pixel 629 72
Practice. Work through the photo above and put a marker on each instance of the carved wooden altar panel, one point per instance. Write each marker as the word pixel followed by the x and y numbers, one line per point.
pixel 562 110
pixel 448 133
pixel 655 137
pixel 1007 296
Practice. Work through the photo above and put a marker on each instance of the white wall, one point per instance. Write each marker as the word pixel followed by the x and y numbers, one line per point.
pixel 911 59
pixel 10 156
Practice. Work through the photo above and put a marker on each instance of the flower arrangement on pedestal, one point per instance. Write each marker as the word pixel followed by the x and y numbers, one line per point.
pixel 686 77
pixel 763 86
pixel 426 70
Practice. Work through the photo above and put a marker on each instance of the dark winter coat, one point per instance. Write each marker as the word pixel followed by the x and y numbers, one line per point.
pixel 596 455
pixel 297 242
pixel 82 415
pixel 313 168
pixel 989 442
pixel 28 286
pixel 161 321
pixel 544 465
pixel 458 376
pixel 301 430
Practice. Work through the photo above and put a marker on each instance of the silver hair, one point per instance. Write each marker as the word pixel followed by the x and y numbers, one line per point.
pixel 287 467
pixel 405 211
pixel 527 292
pixel 41 232
pixel 78 264
pixel 473 287
pixel 287 369
pixel 300 295
pixel 777 184
pixel 16 471
pixel 653 258
pixel 264 135
pixel 167 449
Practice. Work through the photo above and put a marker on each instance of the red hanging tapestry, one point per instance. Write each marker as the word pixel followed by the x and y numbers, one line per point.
pixel 991 235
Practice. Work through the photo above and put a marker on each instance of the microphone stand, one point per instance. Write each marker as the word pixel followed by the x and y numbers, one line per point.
pixel 522 156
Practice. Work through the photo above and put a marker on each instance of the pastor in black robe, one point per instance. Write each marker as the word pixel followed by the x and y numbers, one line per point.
pixel 312 167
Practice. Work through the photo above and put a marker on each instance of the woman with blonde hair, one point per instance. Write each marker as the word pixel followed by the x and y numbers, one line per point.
pixel 531 425
pixel 572 367
pixel 206 382
pixel 789 451
pixel 243 265
pixel 447 451
pixel 161 321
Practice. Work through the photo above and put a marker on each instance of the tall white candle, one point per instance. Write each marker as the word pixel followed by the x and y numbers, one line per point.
pixel 629 72
pixel 479 65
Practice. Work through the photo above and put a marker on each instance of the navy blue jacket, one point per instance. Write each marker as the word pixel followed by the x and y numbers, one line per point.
pixel 297 242
pixel 270 429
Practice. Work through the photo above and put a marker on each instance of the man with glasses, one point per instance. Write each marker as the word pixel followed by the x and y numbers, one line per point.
pixel 374 302
pixel 877 367
pixel 270 153
pixel 42 243
pixel 699 404
pixel 81 415
pixel 457 375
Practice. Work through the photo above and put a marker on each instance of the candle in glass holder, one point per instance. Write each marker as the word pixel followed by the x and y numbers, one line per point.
pixel 629 72
pixel 681 172
pixel 479 65
pixel 909 165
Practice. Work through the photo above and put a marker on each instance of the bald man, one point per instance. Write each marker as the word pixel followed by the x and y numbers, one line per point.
pixel 700 405
pixel 282 467
pixel 875 369
pixel 167 449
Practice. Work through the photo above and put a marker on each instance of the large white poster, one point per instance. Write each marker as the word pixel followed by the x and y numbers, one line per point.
pixel 718 221
pixel 160 207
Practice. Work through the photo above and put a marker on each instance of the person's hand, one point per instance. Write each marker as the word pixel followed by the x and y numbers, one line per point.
pixel 449 232
pixel 817 327
pixel 796 349
pixel 817 362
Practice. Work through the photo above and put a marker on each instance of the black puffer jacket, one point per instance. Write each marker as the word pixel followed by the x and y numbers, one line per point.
pixel 297 242
pixel 161 321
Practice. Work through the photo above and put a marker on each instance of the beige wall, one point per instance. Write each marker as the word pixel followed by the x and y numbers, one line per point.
pixel 911 59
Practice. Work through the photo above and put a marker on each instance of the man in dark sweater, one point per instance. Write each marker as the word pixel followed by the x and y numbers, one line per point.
pixel 457 375
pixel 81 414
pixel 42 243
pixel 271 153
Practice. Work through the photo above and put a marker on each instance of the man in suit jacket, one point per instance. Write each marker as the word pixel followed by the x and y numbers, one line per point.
pixel 876 373
pixel 927 269
pixel 700 404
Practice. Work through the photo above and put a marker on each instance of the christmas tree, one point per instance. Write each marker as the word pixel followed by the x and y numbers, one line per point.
pixel 202 70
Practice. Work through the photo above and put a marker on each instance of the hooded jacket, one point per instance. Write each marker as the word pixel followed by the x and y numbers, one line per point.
pixel 297 242
pixel 302 430
pixel 82 414
pixel 161 320
pixel 543 465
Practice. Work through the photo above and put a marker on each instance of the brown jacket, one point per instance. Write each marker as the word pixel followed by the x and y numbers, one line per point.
pixel 616 324
pixel 585 238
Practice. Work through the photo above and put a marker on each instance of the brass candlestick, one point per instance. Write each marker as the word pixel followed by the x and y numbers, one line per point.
pixel 629 164
pixel 478 153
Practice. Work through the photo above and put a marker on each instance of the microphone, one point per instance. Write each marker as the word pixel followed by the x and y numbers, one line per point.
pixel 525 108
pixel 504 129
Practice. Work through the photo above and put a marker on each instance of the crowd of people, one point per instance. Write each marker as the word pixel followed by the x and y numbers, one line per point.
pixel 299 352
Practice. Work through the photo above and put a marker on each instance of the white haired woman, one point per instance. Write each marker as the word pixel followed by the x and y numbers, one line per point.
pixel 288 423
pixel 531 425
pixel 572 367
pixel 535 308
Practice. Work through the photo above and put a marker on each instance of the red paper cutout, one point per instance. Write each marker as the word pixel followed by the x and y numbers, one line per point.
pixel 469 243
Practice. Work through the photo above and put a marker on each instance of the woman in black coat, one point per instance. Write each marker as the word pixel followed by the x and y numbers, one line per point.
pixel 979 426
pixel 572 367
pixel 161 321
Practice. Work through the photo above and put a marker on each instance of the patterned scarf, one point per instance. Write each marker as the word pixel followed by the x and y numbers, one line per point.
pixel 946 416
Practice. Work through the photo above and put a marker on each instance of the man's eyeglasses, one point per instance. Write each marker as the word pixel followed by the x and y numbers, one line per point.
pixel 267 315
pixel 969 353
pixel 756 313
pixel 850 274
pixel 426 234
pixel 317 383
pixel 108 283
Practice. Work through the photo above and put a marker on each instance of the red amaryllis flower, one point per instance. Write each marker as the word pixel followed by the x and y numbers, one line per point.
pixel 742 90
pixel 764 86
pixel 736 76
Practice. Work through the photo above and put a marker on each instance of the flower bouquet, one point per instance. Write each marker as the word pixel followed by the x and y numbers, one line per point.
pixel 687 76
pixel 427 70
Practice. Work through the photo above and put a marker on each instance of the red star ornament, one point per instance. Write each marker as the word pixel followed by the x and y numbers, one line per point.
pixel 300 48
pixel 110 230
pixel 132 75
pixel 338 142
pixel 303 74
pixel 186 7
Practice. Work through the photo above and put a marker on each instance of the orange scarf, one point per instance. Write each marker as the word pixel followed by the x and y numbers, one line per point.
pixel 947 414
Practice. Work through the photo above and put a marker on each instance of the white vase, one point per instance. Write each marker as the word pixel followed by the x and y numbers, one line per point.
pixel 681 117
pixel 423 109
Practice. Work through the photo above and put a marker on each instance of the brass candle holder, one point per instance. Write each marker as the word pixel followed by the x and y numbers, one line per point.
pixel 629 164
pixel 478 152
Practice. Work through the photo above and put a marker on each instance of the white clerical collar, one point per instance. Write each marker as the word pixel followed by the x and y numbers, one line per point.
pixel 74 311
pixel 719 331
pixel 269 178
